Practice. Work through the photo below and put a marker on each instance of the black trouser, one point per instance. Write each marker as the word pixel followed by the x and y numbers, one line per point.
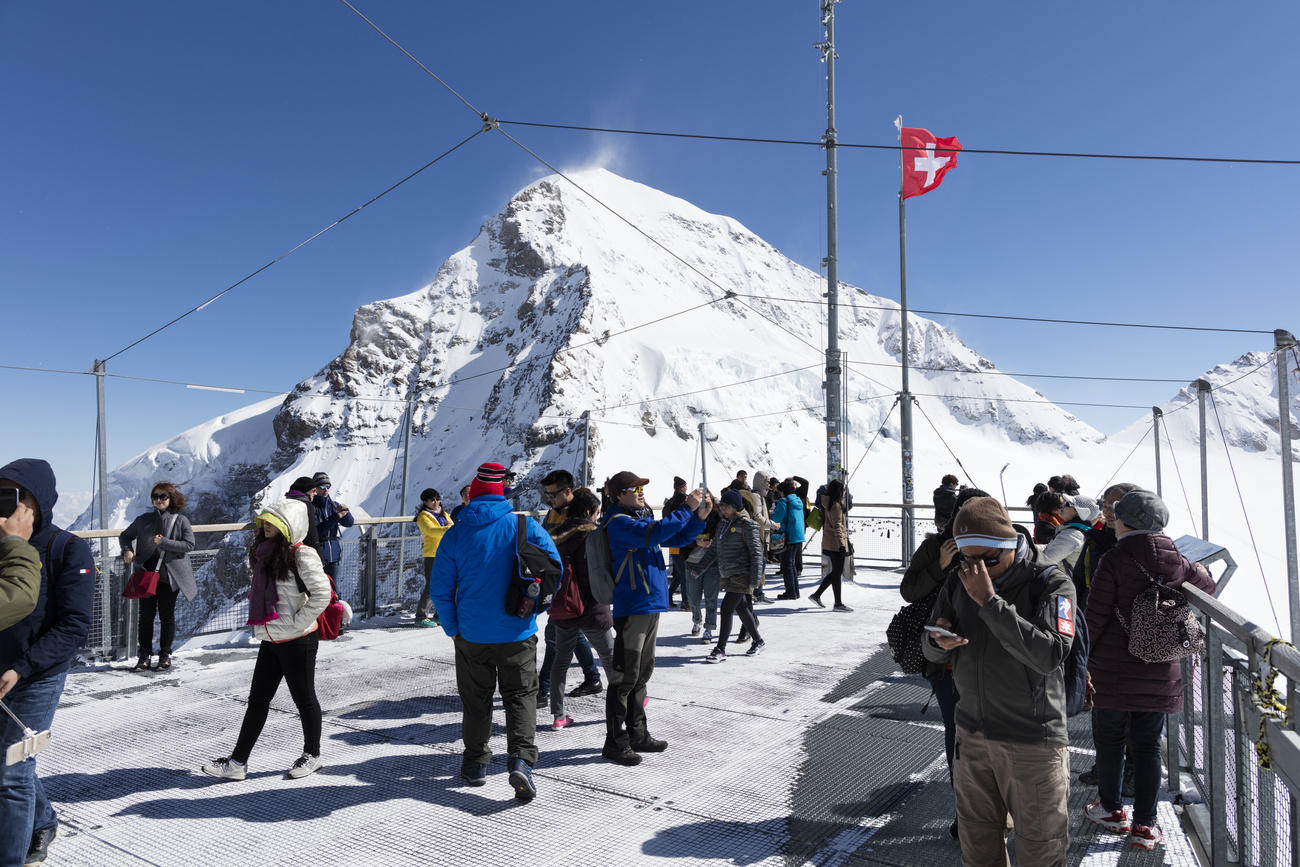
pixel 945 692
pixel 479 668
pixel 833 578
pixel 634 662
pixel 422 610
pixel 295 662
pixel 742 605
pixel 1144 727
pixel 163 604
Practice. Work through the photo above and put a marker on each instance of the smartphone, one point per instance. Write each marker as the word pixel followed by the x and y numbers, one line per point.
pixel 8 501
pixel 939 630
pixel 28 747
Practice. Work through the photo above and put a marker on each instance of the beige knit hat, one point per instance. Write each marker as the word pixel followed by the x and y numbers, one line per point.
pixel 983 523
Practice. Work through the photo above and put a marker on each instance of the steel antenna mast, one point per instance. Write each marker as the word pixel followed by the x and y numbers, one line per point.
pixel 832 385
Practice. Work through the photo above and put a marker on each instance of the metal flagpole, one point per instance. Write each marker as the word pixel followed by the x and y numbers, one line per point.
pixel 905 398
pixel 1285 341
pixel 586 448
pixel 1156 415
pixel 1202 393
pixel 704 464
pixel 834 409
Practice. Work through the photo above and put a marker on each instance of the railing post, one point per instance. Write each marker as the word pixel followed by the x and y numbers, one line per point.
pixel 370 573
pixel 1156 415
pixel 1242 763
pixel 1173 737
pixel 1202 393
pixel 1215 748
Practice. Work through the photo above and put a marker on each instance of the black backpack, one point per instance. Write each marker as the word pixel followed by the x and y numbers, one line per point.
pixel 532 590
pixel 1076 664
pixel 906 631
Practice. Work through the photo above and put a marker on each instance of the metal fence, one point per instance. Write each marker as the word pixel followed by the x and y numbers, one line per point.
pixel 1243 813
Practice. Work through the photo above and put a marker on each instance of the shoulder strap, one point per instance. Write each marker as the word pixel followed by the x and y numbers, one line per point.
pixel 521 532
pixel 54 553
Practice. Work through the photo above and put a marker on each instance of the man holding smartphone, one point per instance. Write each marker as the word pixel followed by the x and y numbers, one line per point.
pixel 35 654
pixel 20 567
pixel 1007 642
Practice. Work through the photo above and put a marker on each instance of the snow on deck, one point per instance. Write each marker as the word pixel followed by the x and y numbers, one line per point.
pixel 814 752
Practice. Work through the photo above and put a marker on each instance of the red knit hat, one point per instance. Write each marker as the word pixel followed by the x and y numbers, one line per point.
pixel 490 479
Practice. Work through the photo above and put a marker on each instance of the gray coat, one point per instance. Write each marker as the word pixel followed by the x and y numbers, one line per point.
pixel 176 546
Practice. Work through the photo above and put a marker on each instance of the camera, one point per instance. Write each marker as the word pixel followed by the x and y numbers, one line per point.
pixel 9 498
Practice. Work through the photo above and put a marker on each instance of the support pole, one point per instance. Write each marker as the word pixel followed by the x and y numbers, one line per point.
pixel 704 465
pixel 1156 415
pixel 1202 395
pixel 845 424
pixel 834 409
pixel 586 448
pixel 1285 343
pixel 905 398
pixel 406 477
pixel 105 563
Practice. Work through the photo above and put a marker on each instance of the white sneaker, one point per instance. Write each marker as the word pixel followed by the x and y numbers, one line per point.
pixel 707 637
pixel 1116 821
pixel 716 656
pixel 1145 836
pixel 306 765
pixel 695 629
pixel 226 769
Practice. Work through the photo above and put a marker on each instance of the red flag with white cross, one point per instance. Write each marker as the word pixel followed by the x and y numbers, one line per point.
pixel 926 159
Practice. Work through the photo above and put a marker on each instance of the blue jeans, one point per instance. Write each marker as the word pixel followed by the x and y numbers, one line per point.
pixel 789 572
pixel 1146 727
pixel 24 809
pixel 945 693
pixel 702 595
pixel 581 650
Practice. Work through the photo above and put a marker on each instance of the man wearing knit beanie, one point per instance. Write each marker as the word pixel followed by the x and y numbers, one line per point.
pixel 1007 633
pixel 476 561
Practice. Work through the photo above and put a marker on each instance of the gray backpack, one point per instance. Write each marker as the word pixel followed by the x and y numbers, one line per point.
pixel 601 576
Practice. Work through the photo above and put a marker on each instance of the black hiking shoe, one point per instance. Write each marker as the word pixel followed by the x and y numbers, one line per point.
pixel 625 756
pixel 521 780
pixel 473 774
pixel 649 745
pixel 164 662
pixel 142 664
pixel 40 845
pixel 587 687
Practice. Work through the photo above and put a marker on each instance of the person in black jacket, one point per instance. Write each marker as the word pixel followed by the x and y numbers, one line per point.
pixel 304 490
pixel 35 655
pixel 945 501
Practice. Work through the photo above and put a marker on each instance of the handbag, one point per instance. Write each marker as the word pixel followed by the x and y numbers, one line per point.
pixel 1162 625
pixel 144 583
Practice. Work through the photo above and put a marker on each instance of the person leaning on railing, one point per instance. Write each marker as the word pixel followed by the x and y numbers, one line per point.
pixel 1129 692
pixel 165 539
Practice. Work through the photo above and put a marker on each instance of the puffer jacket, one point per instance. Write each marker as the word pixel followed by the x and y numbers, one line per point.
pixel 645 590
pixel 762 513
pixel 296 611
pixel 476 560
pixel 740 554
pixel 789 515
pixel 432 528
pixel 1011 675
pixel 1122 681
pixel 45 642
pixel 1065 546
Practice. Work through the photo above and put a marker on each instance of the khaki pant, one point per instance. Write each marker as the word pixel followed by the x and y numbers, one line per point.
pixel 633 663
pixel 1029 781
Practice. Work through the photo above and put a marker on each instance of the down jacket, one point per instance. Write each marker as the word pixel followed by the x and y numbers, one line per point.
pixel 1122 681
pixel 296 611
pixel 788 513
pixel 740 554
pixel 645 591
pixel 46 641
pixel 574 603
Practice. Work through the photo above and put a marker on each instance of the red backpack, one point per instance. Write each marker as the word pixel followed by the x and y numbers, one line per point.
pixel 330 621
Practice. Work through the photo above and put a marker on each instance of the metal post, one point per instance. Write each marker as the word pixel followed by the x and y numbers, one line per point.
pixel 106 595
pixel 586 448
pixel 834 409
pixel 905 398
pixel 704 466
pixel 1202 394
pixel 1156 415
pixel 844 421
pixel 1283 342
pixel 1215 747
pixel 370 547
pixel 406 476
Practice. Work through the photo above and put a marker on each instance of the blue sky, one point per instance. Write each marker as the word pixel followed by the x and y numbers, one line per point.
pixel 156 152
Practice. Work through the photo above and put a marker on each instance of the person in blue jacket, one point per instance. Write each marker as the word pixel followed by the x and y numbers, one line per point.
pixel 35 655
pixel 788 512
pixel 640 596
pixel 331 516
pixel 476 561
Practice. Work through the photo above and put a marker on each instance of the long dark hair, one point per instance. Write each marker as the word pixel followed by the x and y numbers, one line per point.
pixel 277 565
pixel 835 491
pixel 962 498
pixel 177 501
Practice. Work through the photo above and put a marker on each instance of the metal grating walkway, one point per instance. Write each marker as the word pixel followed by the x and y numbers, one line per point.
pixel 813 752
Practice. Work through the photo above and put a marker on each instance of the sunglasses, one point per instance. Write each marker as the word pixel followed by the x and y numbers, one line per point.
pixel 989 562
pixel 324 487
pixel 639 489
pixel 157 498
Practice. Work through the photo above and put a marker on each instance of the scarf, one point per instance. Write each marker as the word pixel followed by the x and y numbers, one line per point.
pixel 262 595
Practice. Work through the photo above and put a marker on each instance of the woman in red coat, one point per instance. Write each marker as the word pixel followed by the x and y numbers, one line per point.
pixel 1130 692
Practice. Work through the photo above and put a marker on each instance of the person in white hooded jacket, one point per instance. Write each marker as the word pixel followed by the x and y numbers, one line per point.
pixel 289 590
pixel 1073 516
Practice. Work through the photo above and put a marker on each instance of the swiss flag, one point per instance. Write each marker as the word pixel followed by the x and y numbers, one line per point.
pixel 926 159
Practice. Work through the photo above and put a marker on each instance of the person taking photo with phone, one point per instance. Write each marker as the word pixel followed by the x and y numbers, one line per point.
pixel 20 565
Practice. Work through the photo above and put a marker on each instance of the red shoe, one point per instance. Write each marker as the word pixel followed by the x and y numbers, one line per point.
pixel 561 722
pixel 1116 821
pixel 1145 836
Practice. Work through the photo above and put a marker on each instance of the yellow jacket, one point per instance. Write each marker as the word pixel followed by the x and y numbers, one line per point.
pixel 432 531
